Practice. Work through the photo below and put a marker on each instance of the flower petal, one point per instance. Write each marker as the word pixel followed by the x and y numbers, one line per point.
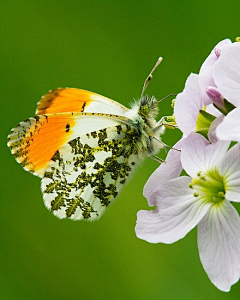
pixel 212 129
pixel 205 74
pixel 178 212
pixel 198 155
pixel 226 73
pixel 187 105
pixel 169 169
pixel 219 245
pixel 229 129
pixel 229 168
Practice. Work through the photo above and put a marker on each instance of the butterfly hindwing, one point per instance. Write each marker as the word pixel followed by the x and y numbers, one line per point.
pixel 86 174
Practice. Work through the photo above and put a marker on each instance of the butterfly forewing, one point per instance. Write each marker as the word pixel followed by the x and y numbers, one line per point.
pixel 35 141
pixel 76 100
pixel 86 174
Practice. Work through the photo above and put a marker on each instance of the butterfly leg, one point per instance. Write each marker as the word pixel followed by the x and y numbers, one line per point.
pixel 156 158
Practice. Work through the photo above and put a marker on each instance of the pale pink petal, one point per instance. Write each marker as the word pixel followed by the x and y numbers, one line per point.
pixel 178 212
pixel 219 245
pixel 229 129
pixel 218 48
pixel 226 73
pixel 187 105
pixel 229 168
pixel 169 169
pixel 205 74
pixel 192 154
pixel 233 192
pixel 198 155
pixel 212 129
pixel 214 153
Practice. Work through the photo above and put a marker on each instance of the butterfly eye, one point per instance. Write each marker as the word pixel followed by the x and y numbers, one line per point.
pixel 144 110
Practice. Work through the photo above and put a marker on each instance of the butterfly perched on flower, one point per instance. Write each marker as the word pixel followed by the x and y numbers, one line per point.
pixel 84 147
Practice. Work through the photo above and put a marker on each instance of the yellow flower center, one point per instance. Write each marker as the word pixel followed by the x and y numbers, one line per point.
pixel 209 185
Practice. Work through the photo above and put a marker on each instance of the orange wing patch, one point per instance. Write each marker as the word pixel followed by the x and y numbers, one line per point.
pixel 35 141
pixel 64 100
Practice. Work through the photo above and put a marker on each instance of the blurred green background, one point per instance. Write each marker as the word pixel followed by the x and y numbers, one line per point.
pixel 107 47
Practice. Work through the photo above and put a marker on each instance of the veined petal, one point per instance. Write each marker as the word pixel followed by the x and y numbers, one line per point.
pixel 169 169
pixel 187 105
pixel 198 155
pixel 214 153
pixel 219 245
pixel 178 212
pixel 229 168
pixel 229 129
pixel 192 153
pixel 226 73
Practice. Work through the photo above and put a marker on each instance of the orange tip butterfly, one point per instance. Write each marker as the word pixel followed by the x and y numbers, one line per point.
pixel 84 147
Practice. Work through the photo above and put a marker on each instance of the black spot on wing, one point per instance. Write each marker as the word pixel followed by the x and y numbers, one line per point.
pixel 67 128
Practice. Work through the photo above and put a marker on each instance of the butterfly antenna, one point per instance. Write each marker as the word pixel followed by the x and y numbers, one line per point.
pixel 146 82
pixel 170 95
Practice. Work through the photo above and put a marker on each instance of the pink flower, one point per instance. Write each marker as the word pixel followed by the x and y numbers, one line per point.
pixel 202 199
pixel 209 105
pixel 202 90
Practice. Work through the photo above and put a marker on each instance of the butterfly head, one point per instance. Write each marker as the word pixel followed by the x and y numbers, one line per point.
pixel 148 107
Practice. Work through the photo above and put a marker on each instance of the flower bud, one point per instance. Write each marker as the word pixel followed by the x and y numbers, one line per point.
pixel 215 96
pixel 218 100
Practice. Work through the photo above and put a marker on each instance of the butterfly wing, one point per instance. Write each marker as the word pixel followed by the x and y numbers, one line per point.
pixel 35 141
pixel 77 100
pixel 87 173
pixel 82 146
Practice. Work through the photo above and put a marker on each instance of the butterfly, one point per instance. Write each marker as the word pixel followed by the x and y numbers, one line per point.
pixel 85 147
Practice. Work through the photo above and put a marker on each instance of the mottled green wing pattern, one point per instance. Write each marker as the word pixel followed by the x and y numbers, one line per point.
pixel 87 173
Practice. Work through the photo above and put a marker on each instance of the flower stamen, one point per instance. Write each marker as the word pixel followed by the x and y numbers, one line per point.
pixel 208 185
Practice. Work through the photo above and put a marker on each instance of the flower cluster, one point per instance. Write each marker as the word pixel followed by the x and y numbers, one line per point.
pixel 208 114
